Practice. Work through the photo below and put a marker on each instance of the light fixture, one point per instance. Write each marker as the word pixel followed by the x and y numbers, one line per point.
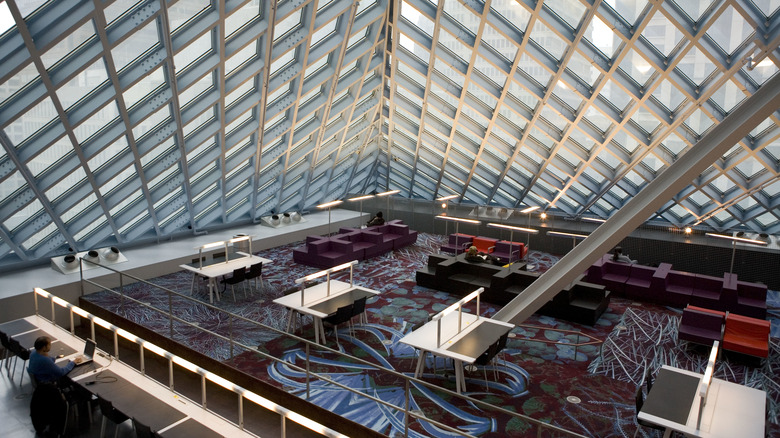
pixel 361 199
pixel 564 234
pixel 457 220
pixel 447 198
pixel 594 219
pixel 529 209
pixel 286 218
pixel 443 205
pixel 70 261
pixel 687 230
pixel 543 215
pixel 92 256
pixel 388 193
pixel 275 220
pixel 511 234
pixel 296 217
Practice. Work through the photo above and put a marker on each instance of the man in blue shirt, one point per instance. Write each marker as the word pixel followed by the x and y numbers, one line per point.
pixel 42 366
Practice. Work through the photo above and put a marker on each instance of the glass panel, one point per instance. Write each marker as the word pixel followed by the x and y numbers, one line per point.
pixel 668 95
pixel 183 10
pixel 108 153
pixel 615 95
pixel 242 16
pixel 195 50
pixel 199 121
pixel 602 36
pixel 82 84
pixel 117 9
pixel 290 22
pixel 730 30
pixel 30 122
pixel 416 18
pixel 662 34
pixel 637 67
pixel 628 9
pixel 242 89
pixel 145 86
pixel 536 71
pixel 571 11
pixel 548 40
pixel 696 66
pixel 694 10
pixel 314 68
pixel 96 122
pixel 68 44
pixel 6 19
pixel 18 81
pixel 150 122
pixel 72 180
pixel 135 45
pixel 240 57
pixel 50 156
pixel 323 32
pixel 202 85
pixel 283 60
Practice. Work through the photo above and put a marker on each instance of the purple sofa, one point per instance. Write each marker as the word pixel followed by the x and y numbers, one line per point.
pixel 751 299
pixel 509 252
pixel 353 244
pixel 706 292
pixel 638 285
pixel 611 274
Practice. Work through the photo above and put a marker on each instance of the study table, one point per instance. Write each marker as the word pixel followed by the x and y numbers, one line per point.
pixel 730 409
pixel 219 268
pixel 321 300
pixel 475 336
pixel 133 394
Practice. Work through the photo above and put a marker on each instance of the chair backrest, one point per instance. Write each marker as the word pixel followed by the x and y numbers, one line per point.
pixel 343 314
pixel 4 341
pixel 649 380
pixel 17 349
pixel 487 356
pixel 255 270
pixel 359 307
pixel 143 431
pixel 502 342
pixel 239 274
pixel 639 399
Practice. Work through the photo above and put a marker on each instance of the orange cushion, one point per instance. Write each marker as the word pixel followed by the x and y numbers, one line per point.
pixel 484 244
pixel 702 309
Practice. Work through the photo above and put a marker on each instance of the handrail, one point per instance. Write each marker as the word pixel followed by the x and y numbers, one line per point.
pixel 408 380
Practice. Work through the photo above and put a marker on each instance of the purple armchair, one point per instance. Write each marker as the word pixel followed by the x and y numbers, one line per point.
pixel 751 299
pixel 638 284
pixel 611 274
pixel 457 243
pixel 701 327
pixel 706 292
pixel 509 252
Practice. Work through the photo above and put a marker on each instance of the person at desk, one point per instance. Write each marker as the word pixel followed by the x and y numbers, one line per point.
pixel 376 220
pixel 618 256
pixel 42 366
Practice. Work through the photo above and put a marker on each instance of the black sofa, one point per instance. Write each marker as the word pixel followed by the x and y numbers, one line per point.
pixel 580 302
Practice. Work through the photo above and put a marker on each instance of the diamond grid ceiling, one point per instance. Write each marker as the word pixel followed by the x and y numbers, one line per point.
pixel 124 122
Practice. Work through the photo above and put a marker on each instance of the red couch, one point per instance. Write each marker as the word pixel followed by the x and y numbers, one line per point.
pixel 746 335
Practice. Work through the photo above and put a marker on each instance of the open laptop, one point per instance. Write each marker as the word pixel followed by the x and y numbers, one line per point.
pixel 86 356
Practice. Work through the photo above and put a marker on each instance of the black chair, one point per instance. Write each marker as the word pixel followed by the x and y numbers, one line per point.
pixel 255 272
pixel 485 359
pixel 110 413
pixel 6 350
pixel 144 431
pixel 49 410
pixel 342 315
pixel 649 380
pixel 21 353
pixel 640 401
pixel 195 276
pixel 359 310
pixel 239 275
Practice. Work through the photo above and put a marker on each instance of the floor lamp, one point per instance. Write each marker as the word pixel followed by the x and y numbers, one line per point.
pixel 387 194
pixel 573 236
pixel 528 211
pixel 734 241
pixel 457 221
pixel 444 202
pixel 511 234
pixel 361 199
pixel 328 205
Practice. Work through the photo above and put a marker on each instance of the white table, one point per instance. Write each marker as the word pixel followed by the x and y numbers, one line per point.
pixel 191 418
pixel 476 335
pixel 730 409
pixel 321 300
pixel 216 270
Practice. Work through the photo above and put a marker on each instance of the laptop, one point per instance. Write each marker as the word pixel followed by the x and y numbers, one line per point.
pixel 89 352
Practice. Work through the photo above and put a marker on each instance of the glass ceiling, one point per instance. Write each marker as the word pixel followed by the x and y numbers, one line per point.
pixel 123 122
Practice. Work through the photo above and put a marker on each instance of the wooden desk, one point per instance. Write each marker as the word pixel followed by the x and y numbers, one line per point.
pixel 730 409
pixel 215 270
pixel 321 300
pixel 138 396
pixel 477 334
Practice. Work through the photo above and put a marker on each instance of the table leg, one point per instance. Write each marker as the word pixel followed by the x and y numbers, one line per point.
pixel 460 381
pixel 667 432
pixel 192 286
pixel 420 364
pixel 289 319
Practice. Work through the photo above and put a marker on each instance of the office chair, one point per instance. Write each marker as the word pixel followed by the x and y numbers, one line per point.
pixel 255 272
pixel 239 276
pixel 6 351
pixel 110 413
pixel 21 353
pixel 485 359
pixel 359 310
pixel 342 315
pixel 144 431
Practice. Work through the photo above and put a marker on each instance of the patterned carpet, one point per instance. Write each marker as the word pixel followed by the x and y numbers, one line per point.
pixel 541 370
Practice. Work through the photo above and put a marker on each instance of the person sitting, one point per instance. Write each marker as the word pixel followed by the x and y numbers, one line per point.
pixel 474 256
pixel 618 256
pixel 376 220
pixel 42 366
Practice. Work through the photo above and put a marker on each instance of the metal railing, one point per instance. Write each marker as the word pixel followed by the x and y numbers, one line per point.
pixel 306 369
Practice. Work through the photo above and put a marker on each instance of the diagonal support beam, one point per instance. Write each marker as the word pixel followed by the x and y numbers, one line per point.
pixel 713 145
